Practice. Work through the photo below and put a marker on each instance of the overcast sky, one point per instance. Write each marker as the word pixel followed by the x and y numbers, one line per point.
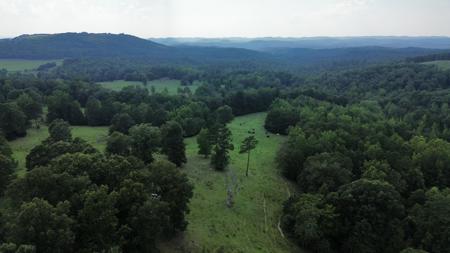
pixel 227 18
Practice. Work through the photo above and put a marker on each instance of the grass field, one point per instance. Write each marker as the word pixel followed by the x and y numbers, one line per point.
pixel 171 85
pixel 441 64
pixel 96 136
pixel 252 224
pixel 22 65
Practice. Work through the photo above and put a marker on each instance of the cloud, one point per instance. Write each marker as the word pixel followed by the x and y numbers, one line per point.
pixel 221 18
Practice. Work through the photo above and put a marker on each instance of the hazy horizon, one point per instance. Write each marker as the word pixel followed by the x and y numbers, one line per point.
pixel 228 19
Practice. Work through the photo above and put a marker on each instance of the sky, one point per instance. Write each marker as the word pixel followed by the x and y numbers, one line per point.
pixel 227 18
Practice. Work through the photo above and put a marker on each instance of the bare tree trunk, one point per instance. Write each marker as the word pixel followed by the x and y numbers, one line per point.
pixel 248 163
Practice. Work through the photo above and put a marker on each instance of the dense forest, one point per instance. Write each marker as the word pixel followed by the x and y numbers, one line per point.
pixel 367 147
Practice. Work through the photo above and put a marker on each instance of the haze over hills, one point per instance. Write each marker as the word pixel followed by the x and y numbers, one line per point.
pixel 434 42
pixel 295 53
pixel 76 45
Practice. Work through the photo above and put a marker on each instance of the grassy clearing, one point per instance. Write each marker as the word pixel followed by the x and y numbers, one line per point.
pixel 441 64
pixel 246 227
pixel 250 226
pixel 23 65
pixel 171 85
pixel 96 136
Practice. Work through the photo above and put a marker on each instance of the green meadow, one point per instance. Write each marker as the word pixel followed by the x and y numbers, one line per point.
pixel 441 64
pixel 159 85
pixel 23 65
pixel 251 225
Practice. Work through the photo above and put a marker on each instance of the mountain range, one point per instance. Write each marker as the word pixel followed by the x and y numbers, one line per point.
pixel 270 51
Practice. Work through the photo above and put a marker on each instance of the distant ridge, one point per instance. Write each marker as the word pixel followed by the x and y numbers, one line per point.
pixel 66 45
pixel 265 43
pixel 267 53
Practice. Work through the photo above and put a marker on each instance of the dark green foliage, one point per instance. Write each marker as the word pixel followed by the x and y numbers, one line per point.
pixel 51 226
pixel 173 143
pixel 59 142
pixel 118 144
pixel 324 173
pixel 191 117
pixel 7 165
pixel 53 183
pixel 224 114
pixel 280 117
pixel 94 113
pixel 369 217
pixel 62 106
pixel 44 153
pixel 173 188
pixel 97 220
pixel 293 153
pixel 145 140
pixel 97 203
pixel 311 221
pixel 13 121
pixel 432 222
pixel 29 105
pixel 433 159
pixel 59 130
pixel 204 143
pixel 121 122
pixel 222 146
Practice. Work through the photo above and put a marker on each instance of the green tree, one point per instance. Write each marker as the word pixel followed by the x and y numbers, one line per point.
pixel 247 145
pixel 42 154
pixel 121 122
pixel 59 130
pixel 44 226
pixel 31 107
pixel 97 221
pixel 369 217
pixel 432 222
pixel 94 113
pixel 293 153
pixel 13 122
pixel 204 143
pixel 47 184
pixel 281 116
pixel 173 188
pixel 145 140
pixel 310 221
pixel 7 165
pixel 173 143
pixel 118 144
pixel 224 114
pixel 62 106
pixel 222 146
pixel 433 159
pixel 325 172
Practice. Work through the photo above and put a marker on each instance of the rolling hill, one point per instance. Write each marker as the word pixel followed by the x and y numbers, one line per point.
pixel 277 54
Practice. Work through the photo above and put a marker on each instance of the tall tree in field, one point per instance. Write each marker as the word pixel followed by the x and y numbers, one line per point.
pixel 220 157
pixel 204 143
pixel 173 143
pixel 248 144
